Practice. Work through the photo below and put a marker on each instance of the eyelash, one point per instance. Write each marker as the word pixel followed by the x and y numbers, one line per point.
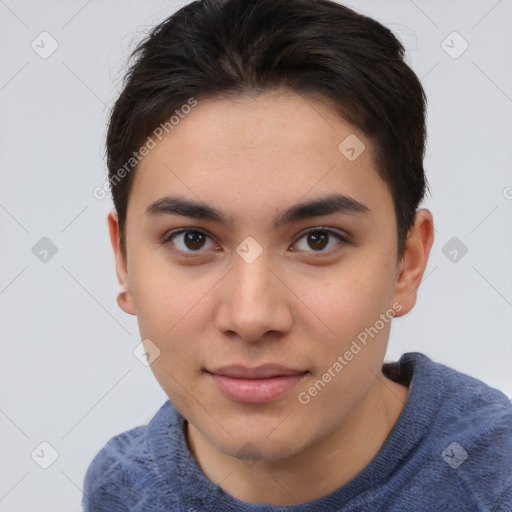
pixel 194 254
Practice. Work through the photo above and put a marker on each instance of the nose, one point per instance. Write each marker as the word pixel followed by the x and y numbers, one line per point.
pixel 254 303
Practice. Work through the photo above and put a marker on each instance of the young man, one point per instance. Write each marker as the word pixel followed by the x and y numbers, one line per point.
pixel 266 165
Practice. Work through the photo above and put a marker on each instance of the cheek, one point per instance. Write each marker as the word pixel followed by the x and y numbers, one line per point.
pixel 172 307
pixel 349 301
pixel 333 397
pixel 350 358
pixel 163 295
pixel 347 366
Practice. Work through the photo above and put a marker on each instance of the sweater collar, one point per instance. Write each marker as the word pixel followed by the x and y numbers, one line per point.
pixel 166 438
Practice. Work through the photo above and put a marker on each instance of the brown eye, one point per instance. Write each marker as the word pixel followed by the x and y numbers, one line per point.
pixel 194 240
pixel 189 240
pixel 317 240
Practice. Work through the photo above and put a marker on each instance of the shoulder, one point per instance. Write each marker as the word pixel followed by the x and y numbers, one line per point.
pixel 466 401
pixel 124 465
pixel 459 392
pixel 472 432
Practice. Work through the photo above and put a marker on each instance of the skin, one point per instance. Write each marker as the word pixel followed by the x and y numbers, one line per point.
pixel 294 305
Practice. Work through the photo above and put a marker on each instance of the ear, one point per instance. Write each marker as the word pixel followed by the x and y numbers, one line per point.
pixel 412 267
pixel 124 299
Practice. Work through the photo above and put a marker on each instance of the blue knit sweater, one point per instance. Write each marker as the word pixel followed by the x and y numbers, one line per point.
pixel 450 450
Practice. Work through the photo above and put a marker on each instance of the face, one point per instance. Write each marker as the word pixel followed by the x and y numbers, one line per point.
pixel 250 308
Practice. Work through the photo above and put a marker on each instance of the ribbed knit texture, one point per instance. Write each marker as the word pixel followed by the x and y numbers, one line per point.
pixel 150 468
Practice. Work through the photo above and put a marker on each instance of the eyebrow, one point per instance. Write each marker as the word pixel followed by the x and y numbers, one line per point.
pixel 328 205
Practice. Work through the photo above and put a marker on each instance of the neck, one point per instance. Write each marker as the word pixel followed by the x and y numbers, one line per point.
pixel 333 461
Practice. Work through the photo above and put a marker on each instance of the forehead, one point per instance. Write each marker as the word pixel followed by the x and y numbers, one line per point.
pixel 268 150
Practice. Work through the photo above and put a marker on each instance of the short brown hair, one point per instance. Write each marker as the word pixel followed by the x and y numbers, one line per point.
pixel 319 47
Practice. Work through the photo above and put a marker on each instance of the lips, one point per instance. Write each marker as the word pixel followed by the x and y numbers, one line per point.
pixel 260 372
pixel 255 385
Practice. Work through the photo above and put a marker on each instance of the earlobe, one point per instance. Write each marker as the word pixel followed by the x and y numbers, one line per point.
pixel 415 259
pixel 124 298
pixel 125 303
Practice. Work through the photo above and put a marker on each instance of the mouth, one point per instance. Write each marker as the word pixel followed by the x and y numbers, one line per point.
pixel 255 385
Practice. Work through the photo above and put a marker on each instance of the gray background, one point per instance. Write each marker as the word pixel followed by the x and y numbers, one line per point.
pixel 68 375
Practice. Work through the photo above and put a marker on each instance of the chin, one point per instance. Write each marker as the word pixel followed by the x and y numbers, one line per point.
pixel 254 450
pixel 258 441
